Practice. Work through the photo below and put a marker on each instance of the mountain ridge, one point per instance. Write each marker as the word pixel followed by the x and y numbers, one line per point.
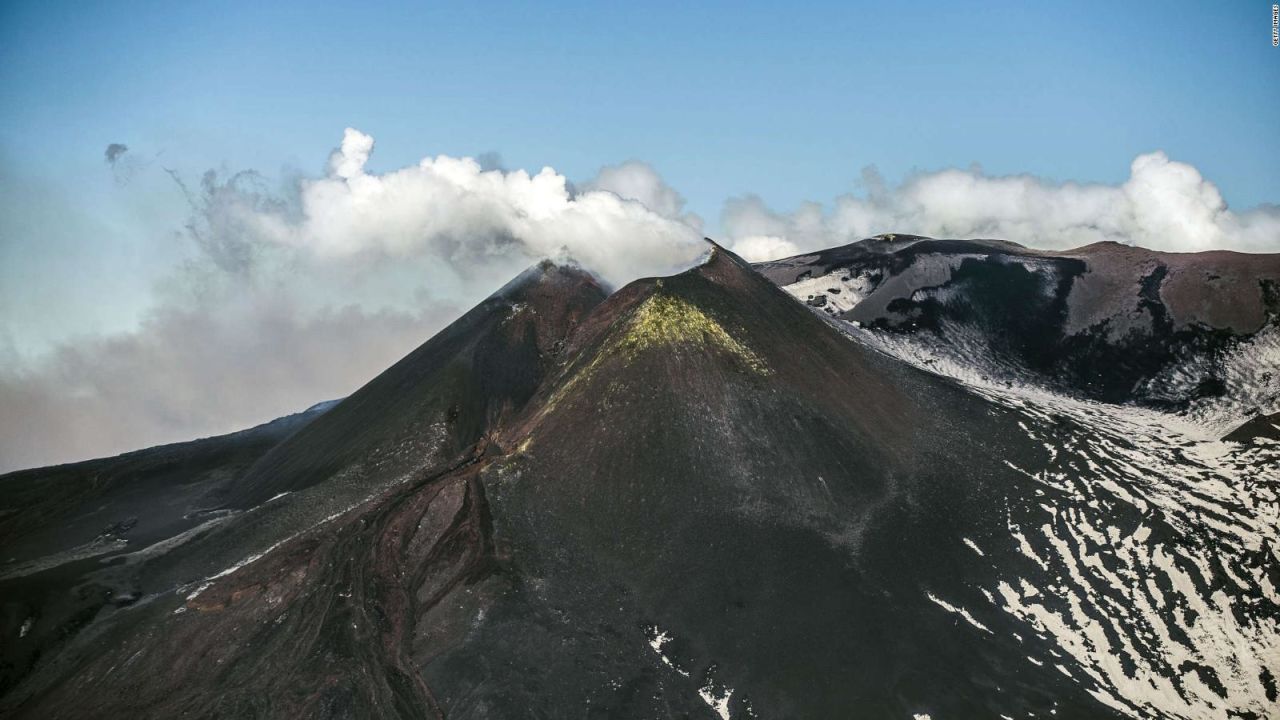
pixel 693 497
pixel 1105 321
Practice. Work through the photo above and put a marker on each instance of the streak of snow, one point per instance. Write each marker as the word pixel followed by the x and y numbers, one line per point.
pixel 249 560
pixel 959 611
pixel 1156 538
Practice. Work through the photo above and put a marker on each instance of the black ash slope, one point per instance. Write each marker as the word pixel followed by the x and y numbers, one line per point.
pixel 721 475
pixel 59 523
pixel 417 421
pixel 441 398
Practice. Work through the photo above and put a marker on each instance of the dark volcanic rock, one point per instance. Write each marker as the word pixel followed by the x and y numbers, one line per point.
pixel 322 498
pixel 1263 426
pixel 57 522
pixel 719 467
pixel 696 498
pixel 442 397
pixel 1106 321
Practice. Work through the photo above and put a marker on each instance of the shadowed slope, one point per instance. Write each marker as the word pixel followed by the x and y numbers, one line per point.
pixel 58 523
pixel 48 510
pixel 1263 427
pixel 341 522
pixel 441 398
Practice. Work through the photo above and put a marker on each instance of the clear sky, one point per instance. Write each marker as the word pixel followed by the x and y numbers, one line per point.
pixel 784 101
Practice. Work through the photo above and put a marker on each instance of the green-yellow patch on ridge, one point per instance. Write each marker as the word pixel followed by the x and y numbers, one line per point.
pixel 666 320
pixel 662 320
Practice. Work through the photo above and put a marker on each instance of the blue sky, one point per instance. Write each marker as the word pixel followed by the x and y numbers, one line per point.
pixel 786 102
pixel 783 103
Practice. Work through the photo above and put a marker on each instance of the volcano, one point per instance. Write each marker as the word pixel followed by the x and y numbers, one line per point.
pixel 905 478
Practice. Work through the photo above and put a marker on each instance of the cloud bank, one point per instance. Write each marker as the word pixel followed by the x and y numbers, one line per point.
pixel 1164 205
pixel 302 293
pixel 639 181
pixel 449 209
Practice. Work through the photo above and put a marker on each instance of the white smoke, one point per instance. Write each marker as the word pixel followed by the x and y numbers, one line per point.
pixel 756 248
pixel 1164 205
pixel 639 181
pixel 305 295
pixel 453 209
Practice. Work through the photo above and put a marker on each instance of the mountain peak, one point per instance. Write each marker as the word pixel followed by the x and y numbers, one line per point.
pixel 635 485
pixel 547 272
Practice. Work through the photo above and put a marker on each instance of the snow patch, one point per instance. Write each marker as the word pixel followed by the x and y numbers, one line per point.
pixel 717 702
pixel 842 290
pixel 974 547
pixel 959 611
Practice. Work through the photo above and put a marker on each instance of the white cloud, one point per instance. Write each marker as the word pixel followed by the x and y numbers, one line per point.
pixel 453 209
pixel 196 371
pixel 305 296
pixel 639 181
pixel 348 160
pixel 758 248
pixel 1164 205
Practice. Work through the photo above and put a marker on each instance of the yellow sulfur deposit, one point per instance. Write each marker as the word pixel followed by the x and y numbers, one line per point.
pixel 662 320
pixel 665 320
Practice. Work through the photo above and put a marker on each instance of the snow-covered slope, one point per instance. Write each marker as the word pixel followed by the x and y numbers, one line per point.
pixel 1197 334
pixel 1157 545
pixel 1158 549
